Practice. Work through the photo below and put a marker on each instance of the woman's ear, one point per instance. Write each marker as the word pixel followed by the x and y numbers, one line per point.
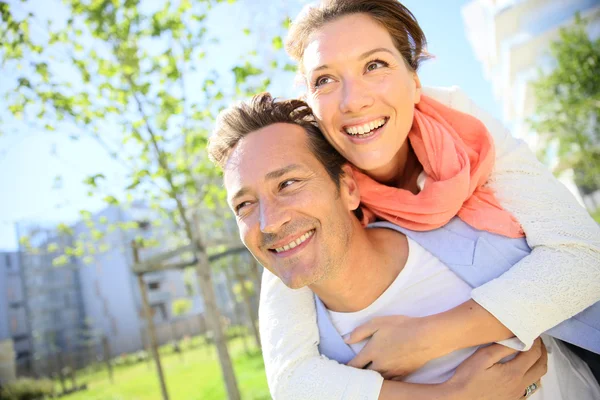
pixel 417 98
pixel 349 188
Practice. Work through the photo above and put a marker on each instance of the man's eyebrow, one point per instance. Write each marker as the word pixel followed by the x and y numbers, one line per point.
pixel 361 57
pixel 278 173
pixel 239 193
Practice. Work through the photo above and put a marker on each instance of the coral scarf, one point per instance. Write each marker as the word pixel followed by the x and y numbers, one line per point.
pixel 457 154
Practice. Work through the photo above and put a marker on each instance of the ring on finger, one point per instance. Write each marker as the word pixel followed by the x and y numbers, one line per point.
pixel 530 389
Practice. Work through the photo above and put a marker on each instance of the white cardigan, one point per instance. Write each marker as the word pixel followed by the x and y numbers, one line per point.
pixel 560 278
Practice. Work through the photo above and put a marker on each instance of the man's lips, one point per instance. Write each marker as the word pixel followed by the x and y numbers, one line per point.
pixel 286 246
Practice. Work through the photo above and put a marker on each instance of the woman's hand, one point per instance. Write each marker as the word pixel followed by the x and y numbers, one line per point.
pixel 397 345
pixel 480 377
pixel 483 377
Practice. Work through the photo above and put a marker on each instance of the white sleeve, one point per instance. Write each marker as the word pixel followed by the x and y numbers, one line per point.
pixel 295 369
pixel 561 276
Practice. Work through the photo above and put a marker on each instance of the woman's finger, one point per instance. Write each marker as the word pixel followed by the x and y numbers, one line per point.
pixel 362 332
pixel 525 360
pixel 363 358
pixel 490 355
pixel 538 369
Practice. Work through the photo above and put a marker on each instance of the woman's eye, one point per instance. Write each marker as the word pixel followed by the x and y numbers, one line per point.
pixel 322 80
pixel 377 64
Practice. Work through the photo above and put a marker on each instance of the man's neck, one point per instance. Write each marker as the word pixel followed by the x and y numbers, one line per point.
pixel 374 260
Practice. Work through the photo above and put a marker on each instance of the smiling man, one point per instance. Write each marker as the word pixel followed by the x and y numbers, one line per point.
pixel 297 209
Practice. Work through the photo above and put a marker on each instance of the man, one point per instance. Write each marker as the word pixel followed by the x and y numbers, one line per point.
pixel 295 201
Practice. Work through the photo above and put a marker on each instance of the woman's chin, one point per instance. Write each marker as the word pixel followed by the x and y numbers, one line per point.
pixel 370 165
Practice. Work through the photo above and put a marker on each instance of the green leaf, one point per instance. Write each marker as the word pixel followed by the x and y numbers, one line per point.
pixel 277 43
pixel 111 200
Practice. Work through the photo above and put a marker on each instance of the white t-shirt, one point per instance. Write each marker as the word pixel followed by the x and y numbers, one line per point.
pixel 426 286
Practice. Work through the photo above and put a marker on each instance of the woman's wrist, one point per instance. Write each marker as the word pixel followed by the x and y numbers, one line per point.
pixel 465 325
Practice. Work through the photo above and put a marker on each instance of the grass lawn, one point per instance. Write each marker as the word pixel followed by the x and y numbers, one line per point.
pixel 196 377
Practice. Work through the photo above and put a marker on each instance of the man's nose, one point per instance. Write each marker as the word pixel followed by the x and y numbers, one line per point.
pixel 355 97
pixel 273 216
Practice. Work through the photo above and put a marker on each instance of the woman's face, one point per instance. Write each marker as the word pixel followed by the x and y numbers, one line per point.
pixel 361 91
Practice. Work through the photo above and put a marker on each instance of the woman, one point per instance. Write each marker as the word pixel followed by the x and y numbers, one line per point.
pixel 353 78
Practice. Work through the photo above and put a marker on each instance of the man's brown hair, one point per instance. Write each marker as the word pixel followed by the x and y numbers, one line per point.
pixel 401 24
pixel 239 120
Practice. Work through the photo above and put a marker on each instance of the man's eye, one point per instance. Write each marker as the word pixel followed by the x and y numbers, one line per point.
pixel 287 183
pixel 240 206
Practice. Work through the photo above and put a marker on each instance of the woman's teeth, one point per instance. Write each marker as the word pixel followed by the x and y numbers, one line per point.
pixel 296 242
pixel 365 128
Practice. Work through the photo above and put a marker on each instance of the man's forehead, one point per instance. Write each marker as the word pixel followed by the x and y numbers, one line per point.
pixel 266 150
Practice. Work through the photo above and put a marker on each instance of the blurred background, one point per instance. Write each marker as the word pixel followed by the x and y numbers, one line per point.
pixel 121 272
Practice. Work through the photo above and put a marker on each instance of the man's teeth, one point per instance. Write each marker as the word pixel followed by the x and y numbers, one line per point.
pixel 365 128
pixel 296 242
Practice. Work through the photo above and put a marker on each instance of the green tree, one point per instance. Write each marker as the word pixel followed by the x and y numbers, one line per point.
pixel 568 104
pixel 135 77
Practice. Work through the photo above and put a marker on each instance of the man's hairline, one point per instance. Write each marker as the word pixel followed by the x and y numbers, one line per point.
pixel 309 146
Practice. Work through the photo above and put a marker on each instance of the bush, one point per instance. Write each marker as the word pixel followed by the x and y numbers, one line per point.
pixel 27 389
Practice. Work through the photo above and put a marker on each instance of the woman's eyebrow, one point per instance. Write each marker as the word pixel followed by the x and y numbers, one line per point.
pixel 361 57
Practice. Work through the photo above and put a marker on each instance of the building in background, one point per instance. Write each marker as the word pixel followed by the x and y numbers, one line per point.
pixel 110 292
pixel 47 309
pixel 14 332
pixel 47 296
pixel 511 39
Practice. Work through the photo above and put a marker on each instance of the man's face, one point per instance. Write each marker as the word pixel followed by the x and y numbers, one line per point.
pixel 289 212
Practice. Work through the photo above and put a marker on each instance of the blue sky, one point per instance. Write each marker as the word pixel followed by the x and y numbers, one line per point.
pixel 31 159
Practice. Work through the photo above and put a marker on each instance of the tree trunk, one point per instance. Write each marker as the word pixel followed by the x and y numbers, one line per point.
pixel 236 311
pixel 257 270
pixel 247 300
pixel 214 322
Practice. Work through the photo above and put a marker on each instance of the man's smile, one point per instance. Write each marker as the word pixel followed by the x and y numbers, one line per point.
pixel 289 247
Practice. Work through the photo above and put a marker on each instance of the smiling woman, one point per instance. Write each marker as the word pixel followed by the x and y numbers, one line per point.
pixel 359 60
pixel 353 85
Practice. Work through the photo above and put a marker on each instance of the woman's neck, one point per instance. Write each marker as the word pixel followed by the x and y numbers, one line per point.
pixel 401 172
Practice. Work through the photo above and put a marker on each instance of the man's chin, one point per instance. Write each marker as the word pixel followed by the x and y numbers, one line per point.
pixel 293 283
pixel 297 281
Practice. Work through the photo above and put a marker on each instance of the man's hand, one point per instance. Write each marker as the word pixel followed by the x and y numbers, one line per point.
pixel 398 345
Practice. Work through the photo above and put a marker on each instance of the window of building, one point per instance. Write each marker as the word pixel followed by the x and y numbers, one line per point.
pixel 154 285
pixel 7 260
pixel 143 225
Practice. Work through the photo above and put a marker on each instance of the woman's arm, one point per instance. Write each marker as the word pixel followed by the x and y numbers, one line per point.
pixel 295 370
pixel 294 367
pixel 561 276
pixel 481 376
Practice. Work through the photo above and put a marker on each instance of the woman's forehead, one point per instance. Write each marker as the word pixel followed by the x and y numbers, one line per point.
pixel 343 39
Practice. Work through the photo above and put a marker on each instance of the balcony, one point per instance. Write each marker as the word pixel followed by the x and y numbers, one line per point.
pixel 158 296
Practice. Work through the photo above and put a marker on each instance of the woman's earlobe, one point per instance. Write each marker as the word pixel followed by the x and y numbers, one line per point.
pixel 417 98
